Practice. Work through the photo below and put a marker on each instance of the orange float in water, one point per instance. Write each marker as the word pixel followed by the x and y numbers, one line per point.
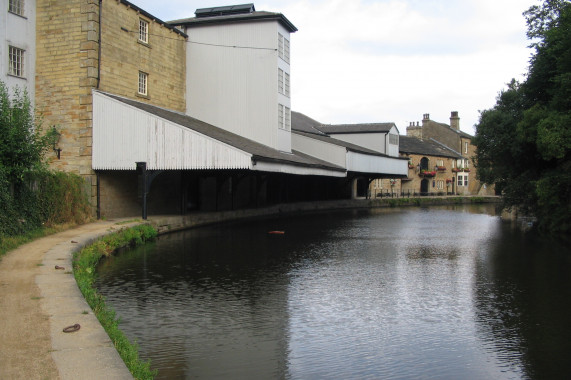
pixel 277 232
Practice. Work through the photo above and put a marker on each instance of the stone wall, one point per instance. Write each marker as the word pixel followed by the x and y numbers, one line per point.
pixel 123 56
pixel 68 52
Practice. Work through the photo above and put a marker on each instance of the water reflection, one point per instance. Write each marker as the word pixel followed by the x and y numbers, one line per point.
pixel 415 293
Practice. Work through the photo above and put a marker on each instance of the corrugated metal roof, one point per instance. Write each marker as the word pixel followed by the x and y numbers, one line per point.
pixel 258 151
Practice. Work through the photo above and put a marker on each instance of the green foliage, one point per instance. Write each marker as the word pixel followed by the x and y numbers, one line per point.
pixel 524 141
pixel 30 195
pixel 84 265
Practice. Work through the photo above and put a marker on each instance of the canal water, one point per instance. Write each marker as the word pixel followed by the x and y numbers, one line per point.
pixel 437 293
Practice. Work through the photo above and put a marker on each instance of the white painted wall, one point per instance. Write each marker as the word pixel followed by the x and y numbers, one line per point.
pixel 374 141
pixel 236 88
pixel 332 153
pixel 365 163
pixel 124 135
pixel 20 32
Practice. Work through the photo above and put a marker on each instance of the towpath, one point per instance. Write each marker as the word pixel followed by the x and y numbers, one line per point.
pixel 37 301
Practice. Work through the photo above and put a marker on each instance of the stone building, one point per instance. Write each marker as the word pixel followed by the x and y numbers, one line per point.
pixel 453 138
pixel 430 170
pixel 87 45
pixel 440 162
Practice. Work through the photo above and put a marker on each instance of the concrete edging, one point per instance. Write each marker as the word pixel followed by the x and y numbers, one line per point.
pixel 88 353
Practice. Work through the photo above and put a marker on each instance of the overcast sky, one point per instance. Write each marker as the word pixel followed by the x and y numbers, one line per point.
pixel 362 61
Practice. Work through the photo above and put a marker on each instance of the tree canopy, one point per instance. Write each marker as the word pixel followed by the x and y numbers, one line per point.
pixel 524 141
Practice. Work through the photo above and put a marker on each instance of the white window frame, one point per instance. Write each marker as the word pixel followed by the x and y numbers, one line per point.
pixel 287 116
pixel 280 46
pixel 440 184
pixel 283 47
pixel 284 117
pixel 286 50
pixel 143 31
pixel 281 116
pixel 16 7
pixel 466 180
pixel 280 81
pixel 16 59
pixel 286 84
pixel 465 147
pixel 393 139
pixel 143 87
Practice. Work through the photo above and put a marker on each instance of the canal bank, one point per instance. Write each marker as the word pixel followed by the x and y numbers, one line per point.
pixel 172 223
pixel 37 300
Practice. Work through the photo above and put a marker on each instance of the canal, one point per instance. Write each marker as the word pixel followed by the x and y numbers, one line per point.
pixel 432 293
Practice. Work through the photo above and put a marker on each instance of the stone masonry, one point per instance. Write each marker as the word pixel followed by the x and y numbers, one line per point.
pixel 69 48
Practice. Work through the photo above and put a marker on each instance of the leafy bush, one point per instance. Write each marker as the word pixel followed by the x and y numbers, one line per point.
pixel 31 196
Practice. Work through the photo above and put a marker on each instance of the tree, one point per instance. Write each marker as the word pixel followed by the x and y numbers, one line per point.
pixel 22 145
pixel 524 141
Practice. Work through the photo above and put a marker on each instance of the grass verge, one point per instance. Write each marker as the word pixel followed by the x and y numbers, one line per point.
pixel 84 263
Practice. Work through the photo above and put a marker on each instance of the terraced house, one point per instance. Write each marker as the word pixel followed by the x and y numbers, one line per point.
pixel 171 117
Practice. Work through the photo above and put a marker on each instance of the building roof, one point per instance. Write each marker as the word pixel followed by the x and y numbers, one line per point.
pixel 414 145
pixel 303 123
pixel 357 128
pixel 258 151
pixel 148 15
pixel 206 16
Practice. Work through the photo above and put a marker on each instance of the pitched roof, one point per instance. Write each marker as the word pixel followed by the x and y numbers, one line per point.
pixel 233 18
pixel 303 123
pixel 414 145
pixel 259 152
pixel 357 128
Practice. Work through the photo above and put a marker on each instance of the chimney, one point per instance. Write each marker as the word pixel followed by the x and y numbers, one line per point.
pixel 425 118
pixel 454 120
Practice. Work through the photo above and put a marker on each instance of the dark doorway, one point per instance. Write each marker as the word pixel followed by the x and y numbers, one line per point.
pixel 424 187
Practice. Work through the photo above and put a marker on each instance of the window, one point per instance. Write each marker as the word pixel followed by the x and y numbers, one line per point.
pixel 283 48
pixel 439 162
pixel 280 46
pixel 465 147
pixel 16 6
pixel 143 31
pixel 16 62
pixel 393 139
pixel 280 81
pixel 287 119
pixel 281 116
pixel 286 50
pixel 440 184
pixel 284 117
pixel 466 180
pixel 460 180
pixel 283 82
pixel 143 80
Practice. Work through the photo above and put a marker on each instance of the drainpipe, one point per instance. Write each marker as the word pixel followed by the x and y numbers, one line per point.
pixel 98 80
pixel 99 50
pixel 98 197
